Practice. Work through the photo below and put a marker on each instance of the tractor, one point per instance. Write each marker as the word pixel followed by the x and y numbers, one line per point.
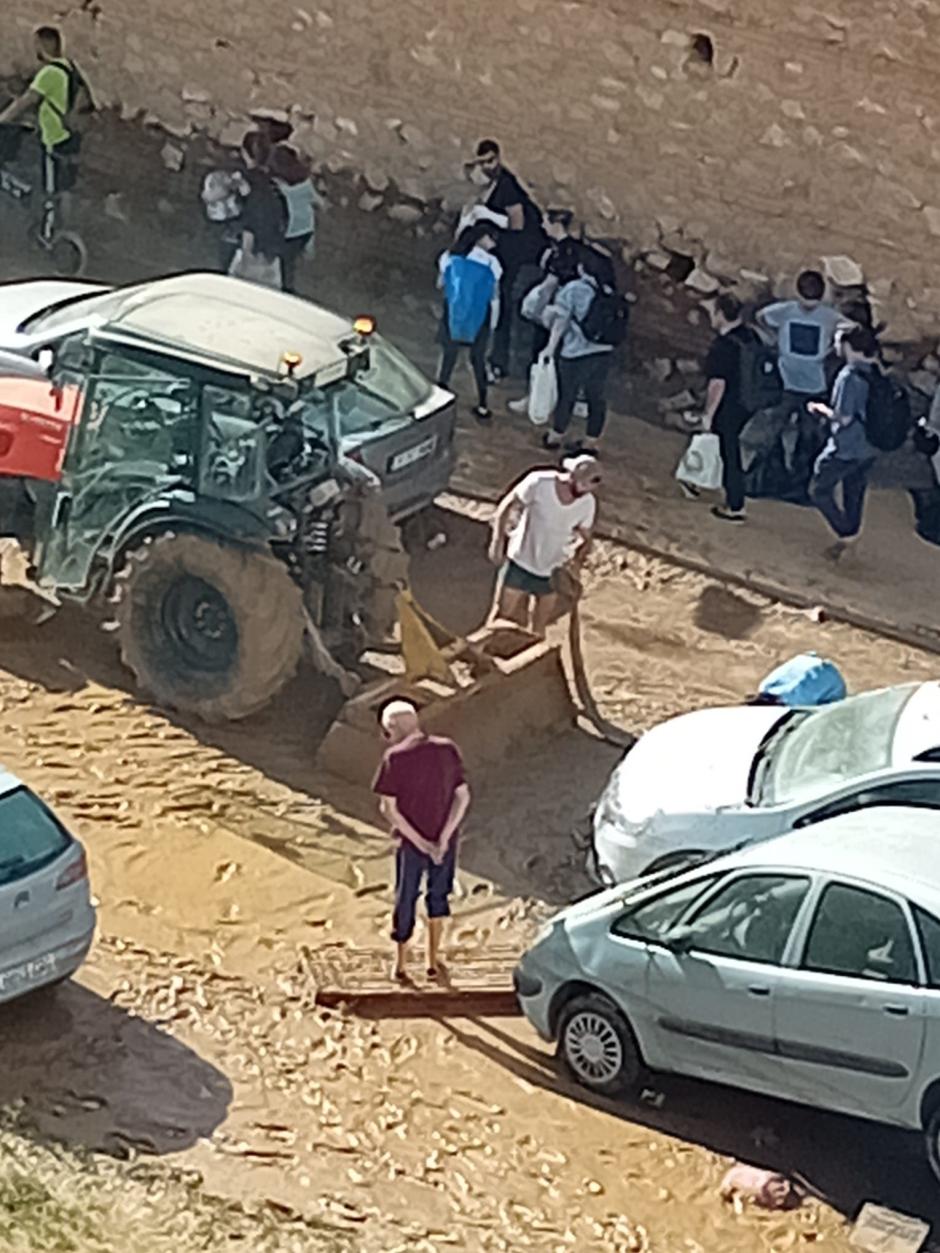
pixel 201 496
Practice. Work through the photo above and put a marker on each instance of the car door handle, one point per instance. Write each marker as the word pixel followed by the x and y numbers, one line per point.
pixel 896 1011
pixel 758 989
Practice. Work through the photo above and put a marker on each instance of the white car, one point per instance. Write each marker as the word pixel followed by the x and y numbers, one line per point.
pixel 806 967
pixel 708 781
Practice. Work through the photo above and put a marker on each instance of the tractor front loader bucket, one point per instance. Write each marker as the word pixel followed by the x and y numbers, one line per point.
pixel 497 687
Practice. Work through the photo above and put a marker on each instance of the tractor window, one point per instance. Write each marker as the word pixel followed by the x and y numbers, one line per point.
pixel 232 462
pixel 138 414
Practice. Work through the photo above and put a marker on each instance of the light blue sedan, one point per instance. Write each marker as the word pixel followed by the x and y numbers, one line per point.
pixel 805 967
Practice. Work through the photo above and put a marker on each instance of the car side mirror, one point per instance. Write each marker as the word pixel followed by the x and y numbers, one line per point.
pixel 680 941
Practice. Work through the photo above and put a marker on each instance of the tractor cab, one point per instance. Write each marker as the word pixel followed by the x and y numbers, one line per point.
pixel 176 435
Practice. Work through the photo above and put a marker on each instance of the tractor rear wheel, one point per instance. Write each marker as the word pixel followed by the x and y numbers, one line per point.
pixel 207 628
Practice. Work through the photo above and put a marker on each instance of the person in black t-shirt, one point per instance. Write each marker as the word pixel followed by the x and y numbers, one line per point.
pixel 519 245
pixel 264 213
pixel 724 411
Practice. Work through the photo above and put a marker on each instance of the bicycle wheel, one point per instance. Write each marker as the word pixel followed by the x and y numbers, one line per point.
pixel 68 253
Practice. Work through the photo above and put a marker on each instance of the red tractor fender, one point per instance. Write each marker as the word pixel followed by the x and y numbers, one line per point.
pixel 35 421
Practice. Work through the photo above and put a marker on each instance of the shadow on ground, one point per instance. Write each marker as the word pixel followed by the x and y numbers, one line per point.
pixel 87 1074
pixel 843 1160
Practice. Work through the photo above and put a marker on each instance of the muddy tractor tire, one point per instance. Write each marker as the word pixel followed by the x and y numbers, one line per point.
pixel 207 628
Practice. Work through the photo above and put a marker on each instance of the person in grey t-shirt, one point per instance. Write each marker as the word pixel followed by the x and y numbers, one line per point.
pixel 848 456
pixel 582 363
pixel 804 330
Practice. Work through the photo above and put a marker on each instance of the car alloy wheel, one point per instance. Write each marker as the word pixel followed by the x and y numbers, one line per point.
pixel 593 1048
pixel 596 1045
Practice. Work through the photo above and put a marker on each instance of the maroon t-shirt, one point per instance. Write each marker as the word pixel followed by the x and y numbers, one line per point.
pixel 422 775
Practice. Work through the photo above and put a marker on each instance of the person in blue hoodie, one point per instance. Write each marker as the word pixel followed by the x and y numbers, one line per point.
pixel 469 275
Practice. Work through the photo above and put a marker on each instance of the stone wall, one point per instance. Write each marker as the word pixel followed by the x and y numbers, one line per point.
pixel 746 133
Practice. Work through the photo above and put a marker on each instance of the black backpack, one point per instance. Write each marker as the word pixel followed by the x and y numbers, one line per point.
pixel 759 383
pixel 80 102
pixel 607 319
pixel 888 417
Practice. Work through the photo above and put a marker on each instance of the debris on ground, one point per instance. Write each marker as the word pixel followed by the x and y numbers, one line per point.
pixel 881 1230
pixel 766 1188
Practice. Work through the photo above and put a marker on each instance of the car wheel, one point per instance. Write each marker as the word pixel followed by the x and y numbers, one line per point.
pixel 932 1138
pixel 596 1045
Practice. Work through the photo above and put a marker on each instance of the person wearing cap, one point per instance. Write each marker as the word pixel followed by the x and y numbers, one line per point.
pixel 543 524
pixel 519 245
pixel 424 797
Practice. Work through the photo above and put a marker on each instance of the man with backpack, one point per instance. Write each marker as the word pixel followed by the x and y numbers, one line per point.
pixel 589 322
pixel 62 99
pixel 867 413
pixel 734 367
pixel 518 245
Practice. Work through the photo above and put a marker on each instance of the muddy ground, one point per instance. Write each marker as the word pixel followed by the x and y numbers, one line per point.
pixel 186 1090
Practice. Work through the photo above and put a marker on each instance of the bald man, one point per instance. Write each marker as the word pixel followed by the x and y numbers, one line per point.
pixel 424 797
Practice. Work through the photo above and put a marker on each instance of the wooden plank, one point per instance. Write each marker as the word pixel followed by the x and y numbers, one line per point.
pixel 475 983
pixel 422 1002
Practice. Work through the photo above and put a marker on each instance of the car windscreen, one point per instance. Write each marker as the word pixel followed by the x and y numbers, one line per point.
pixel 811 755
pixel 385 393
pixel 30 836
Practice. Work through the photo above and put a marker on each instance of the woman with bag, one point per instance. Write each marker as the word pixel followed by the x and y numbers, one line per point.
pixel 292 179
pixel 469 276
pixel 264 218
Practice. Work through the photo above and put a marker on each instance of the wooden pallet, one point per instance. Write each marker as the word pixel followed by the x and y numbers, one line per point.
pixel 478 984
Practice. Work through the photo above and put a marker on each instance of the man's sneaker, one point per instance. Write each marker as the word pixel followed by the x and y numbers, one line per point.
pixel 482 414
pixel 520 406
pixel 494 373
pixel 728 515
pixel 689 490
pixel 551 442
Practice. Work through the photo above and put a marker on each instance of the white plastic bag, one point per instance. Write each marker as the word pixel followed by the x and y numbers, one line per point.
pixel 701 463
pixel 543 391
pixel 256 269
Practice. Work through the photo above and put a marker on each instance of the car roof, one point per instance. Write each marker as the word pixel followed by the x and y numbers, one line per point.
pixel 890 846
pixel 222 319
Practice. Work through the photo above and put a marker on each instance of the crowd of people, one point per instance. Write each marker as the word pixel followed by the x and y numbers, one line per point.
pixel 801 432
pixel 264 209
pixel 804 410
pixel 797 394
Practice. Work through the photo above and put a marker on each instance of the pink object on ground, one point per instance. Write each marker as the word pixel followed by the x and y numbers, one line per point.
pixel 766 1188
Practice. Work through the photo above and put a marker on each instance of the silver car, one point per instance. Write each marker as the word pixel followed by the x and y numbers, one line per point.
pixel 805 967
pixel 391 417
pixel 45 904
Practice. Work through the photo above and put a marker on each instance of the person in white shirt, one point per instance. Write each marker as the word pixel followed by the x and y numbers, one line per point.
pixel 543 524
pixel 470 276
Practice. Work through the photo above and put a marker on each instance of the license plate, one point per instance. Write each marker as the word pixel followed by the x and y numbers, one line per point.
pixel 27 973
pixel 417 452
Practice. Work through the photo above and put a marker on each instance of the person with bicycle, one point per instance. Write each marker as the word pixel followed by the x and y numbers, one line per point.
pixel 60 95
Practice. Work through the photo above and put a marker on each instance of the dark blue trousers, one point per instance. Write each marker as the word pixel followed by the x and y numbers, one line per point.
pixel 411 868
